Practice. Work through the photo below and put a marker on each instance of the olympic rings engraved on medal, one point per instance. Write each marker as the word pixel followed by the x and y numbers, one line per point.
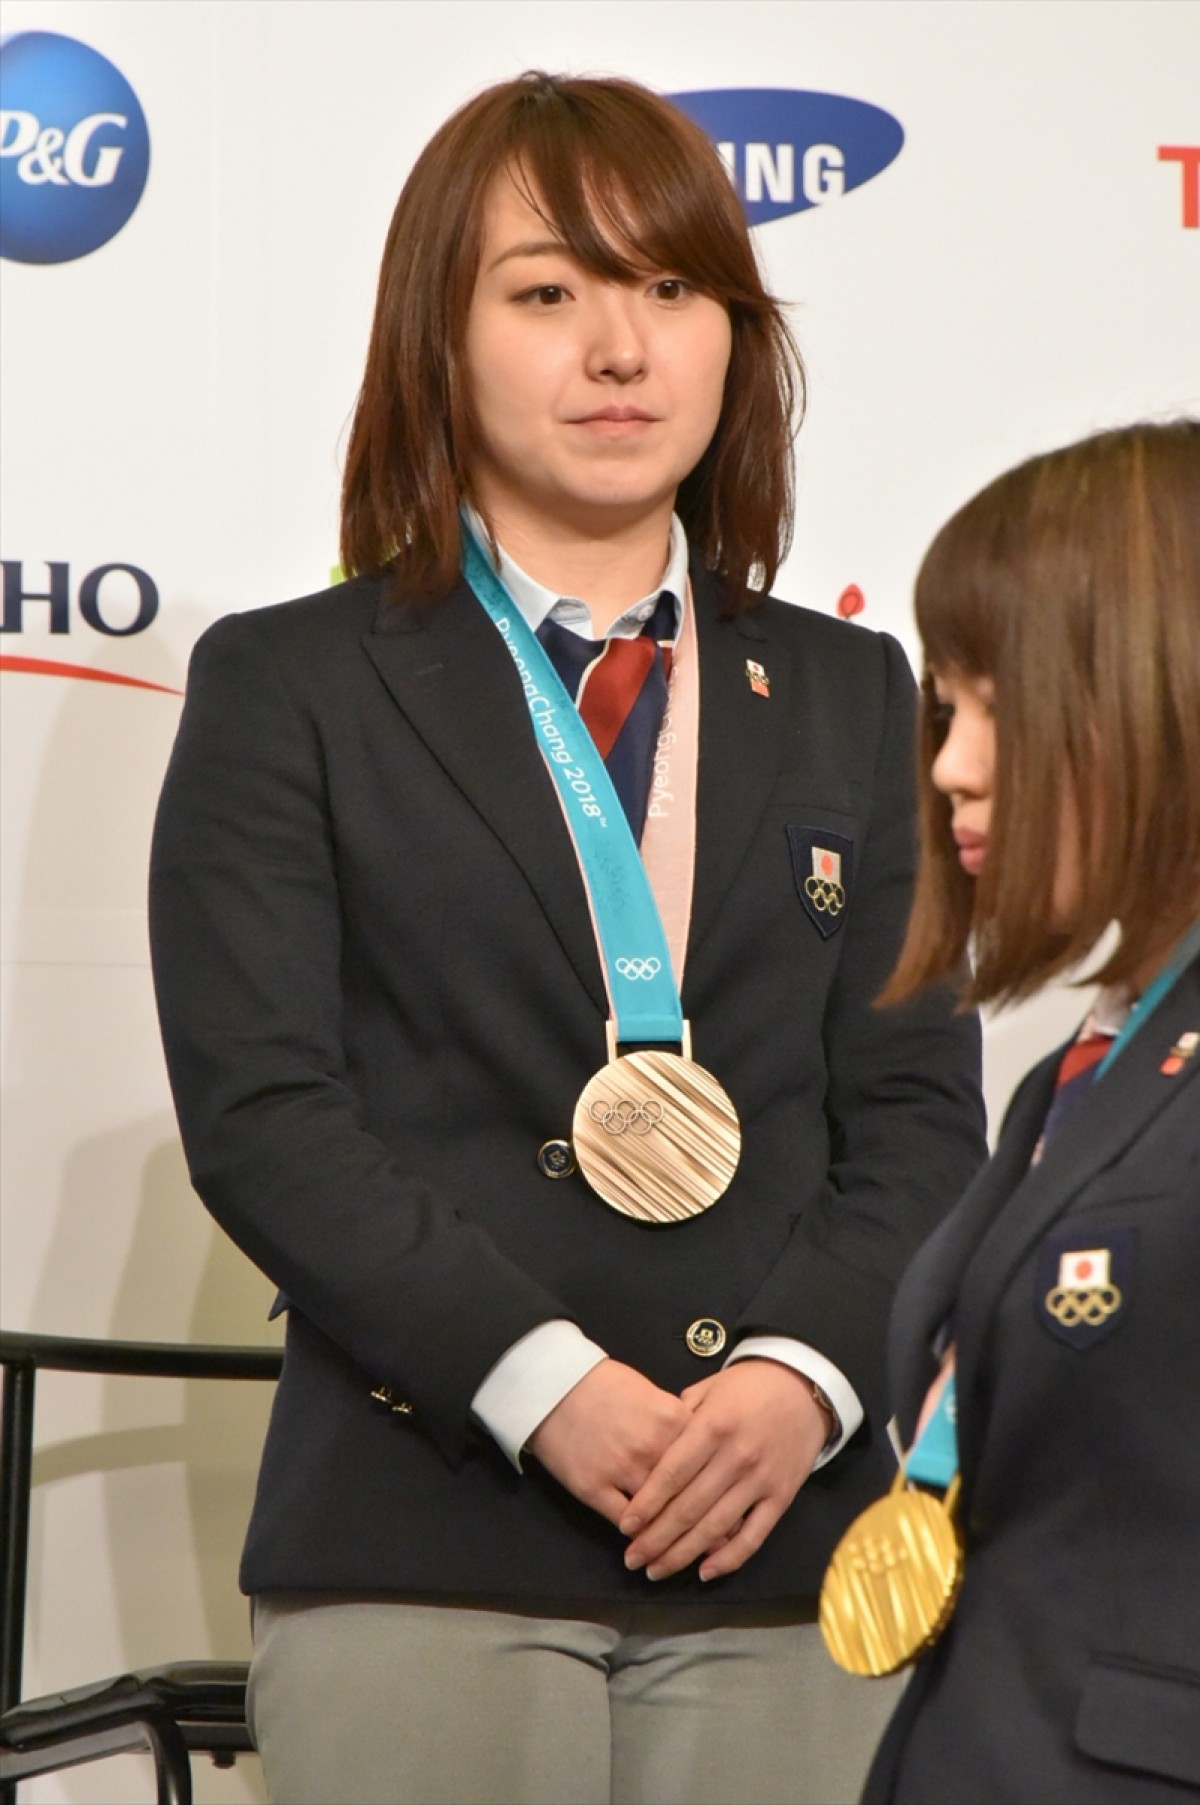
pixel 627 1117
pixel 639 968
pixel 1091 1305
pixel 825 895
pixel 876 1555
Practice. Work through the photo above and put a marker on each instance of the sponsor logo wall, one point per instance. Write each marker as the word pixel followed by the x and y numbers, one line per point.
pixel 74 148
pixel 987 218
pixel 786 149
pixel 1187 156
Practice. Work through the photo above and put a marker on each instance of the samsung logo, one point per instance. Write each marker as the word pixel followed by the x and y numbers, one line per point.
pixel 788 149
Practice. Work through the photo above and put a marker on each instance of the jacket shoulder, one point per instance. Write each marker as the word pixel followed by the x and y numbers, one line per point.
pixel 835 644
pixel 344 610
pixel 840 641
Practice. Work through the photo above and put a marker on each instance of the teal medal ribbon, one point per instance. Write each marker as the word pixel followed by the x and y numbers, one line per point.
pixel 933 1460
pixel 629 931
pixel 1153 995
pixel 653 1133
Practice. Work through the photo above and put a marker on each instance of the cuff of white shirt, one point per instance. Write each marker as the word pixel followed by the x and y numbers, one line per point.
pixel 822 1372
pixel 528 1381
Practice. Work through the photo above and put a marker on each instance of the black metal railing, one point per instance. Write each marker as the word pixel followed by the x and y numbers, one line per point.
pixel 22 1355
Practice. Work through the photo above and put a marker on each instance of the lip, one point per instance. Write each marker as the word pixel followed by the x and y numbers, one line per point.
pixel 972 850
pixel 616 416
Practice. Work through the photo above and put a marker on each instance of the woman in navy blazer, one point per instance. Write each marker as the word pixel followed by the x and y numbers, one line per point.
pixel 381 997
pixel 1060 611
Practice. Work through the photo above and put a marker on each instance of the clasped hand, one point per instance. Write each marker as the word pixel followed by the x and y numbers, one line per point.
pixel 703 1477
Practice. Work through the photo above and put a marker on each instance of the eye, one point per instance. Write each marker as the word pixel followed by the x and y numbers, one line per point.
pixel 548 294
pixel 941 714
pixel 671 288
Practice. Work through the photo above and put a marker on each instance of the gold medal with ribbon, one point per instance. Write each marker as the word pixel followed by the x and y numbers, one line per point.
pixel 890 1589
pixel 891 1586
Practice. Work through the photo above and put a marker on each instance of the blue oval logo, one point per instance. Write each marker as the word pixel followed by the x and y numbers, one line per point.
pixel 787 149
pixel 74 149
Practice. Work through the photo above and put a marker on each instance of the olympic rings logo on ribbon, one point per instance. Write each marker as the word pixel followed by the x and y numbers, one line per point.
pixel 825 895
pixel 639 968
pixel 627 1117
pixel 1090 1305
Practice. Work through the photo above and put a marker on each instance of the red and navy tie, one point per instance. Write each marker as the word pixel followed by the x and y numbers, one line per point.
pixel 1077 1072
pixel 620 688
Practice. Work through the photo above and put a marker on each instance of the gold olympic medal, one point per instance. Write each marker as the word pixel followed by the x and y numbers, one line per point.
pixel 890 1589
pixel 656 1136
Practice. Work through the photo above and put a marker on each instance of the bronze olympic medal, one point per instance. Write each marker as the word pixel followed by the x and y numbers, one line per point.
pixel 890 1589
pixel 656 1136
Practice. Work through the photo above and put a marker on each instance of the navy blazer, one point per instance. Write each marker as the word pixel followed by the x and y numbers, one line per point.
pixel 380 994
pixel 1070 1671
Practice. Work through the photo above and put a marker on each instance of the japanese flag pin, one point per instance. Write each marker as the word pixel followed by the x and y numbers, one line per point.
pixel 757 678
pixel 1180 1053
pixel 1091 1266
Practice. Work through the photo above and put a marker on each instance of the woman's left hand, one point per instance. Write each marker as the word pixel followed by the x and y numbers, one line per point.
pixel 723 1484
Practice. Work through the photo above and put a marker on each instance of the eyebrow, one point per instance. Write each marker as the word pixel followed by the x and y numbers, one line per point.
pixel 532 247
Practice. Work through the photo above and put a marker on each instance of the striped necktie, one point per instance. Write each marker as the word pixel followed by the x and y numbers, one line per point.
pixel 620 688
pixel 1077 1073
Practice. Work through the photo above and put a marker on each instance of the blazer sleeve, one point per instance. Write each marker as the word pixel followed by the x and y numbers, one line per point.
pixel 903 1105
pixel 246 944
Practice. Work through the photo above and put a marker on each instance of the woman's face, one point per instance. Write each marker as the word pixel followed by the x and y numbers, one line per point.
pixel 965 772
pixel 965 767
pixel 593 398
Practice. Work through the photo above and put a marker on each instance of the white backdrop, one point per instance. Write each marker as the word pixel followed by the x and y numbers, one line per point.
pixel 177 400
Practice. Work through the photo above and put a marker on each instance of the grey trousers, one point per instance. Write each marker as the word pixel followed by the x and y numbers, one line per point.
pixel 359 1701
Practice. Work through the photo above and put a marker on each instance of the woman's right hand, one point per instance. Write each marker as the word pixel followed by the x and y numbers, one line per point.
pixel 608 1433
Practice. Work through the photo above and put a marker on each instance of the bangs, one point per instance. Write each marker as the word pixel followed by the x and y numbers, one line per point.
pixel 969 587
pixel 630 189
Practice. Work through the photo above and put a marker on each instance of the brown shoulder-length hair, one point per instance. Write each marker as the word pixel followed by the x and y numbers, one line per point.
pixel 1073 583
pixel 629 184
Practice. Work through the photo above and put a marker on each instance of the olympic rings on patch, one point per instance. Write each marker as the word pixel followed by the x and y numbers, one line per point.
pixel 825 895
pixel 1091 1305
pixel 627 1117
pixel 639 968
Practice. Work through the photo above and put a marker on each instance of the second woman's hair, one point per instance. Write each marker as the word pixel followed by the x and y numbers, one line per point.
pixel 1073 584
pixel 630 185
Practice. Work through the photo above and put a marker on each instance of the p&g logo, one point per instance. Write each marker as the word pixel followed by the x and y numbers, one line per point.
pixel 787 149
pixel 74 149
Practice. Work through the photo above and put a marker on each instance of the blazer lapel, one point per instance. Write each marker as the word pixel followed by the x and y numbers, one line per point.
pixel 741 743
pixel 1114 1114
pixel 450 674
pixel 925 1301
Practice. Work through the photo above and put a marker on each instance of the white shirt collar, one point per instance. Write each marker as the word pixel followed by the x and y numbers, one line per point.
pixel 537 603
pixel 1110 1011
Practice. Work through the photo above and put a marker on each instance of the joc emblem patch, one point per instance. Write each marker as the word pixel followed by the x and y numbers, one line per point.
pixel 823 867
pixel 1085 1284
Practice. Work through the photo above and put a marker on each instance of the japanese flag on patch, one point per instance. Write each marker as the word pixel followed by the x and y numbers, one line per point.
pixel 1080 1271
pixel 827 865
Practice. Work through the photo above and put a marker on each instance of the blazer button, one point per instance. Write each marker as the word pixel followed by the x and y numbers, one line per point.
pixel 706 1337
pixel 556 1159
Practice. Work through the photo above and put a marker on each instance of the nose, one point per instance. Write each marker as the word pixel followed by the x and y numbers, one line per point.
pixel 617 343
pixel 963 766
